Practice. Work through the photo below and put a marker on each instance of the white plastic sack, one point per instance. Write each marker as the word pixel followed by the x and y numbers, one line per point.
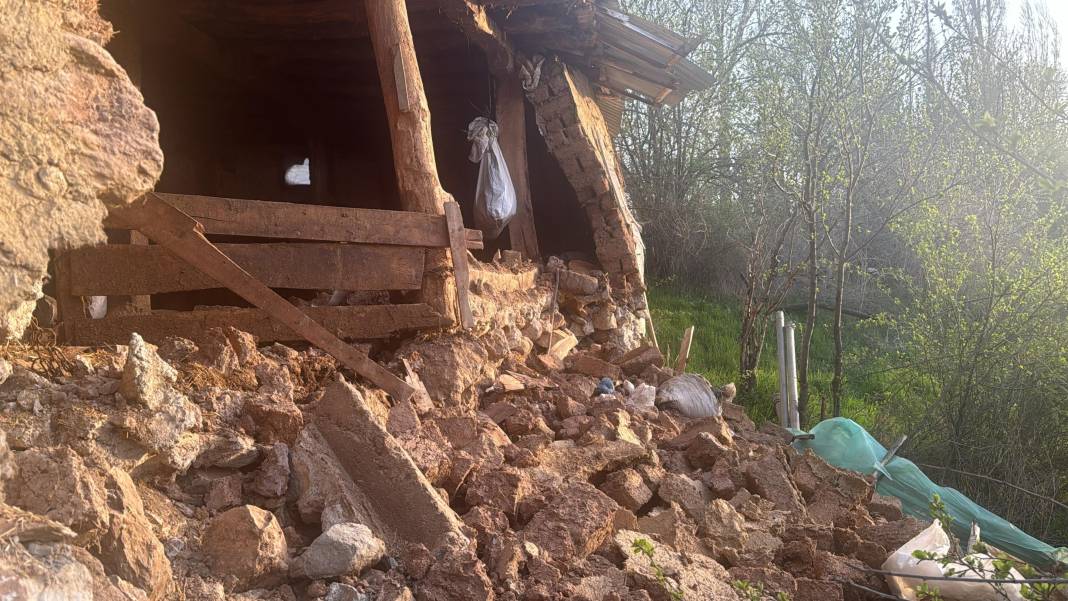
pixel 690 395
pixel 98 307
pixel 495 203
pixel 934 540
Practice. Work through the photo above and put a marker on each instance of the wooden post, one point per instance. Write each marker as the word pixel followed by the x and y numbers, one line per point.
pixel 409 128
pixel 684 351
pixel 127 48
pixel 512 120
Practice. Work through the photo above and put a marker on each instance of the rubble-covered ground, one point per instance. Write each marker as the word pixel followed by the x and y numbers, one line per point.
pixel 227 470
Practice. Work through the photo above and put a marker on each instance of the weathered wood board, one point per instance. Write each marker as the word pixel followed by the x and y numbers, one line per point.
pixel 264 219
pixel 130 270
pixel 360 322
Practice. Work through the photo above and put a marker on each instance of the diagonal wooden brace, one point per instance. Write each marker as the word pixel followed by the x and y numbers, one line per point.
pixel 182 235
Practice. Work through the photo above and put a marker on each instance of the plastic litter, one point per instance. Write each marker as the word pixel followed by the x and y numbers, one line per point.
pixel 605 386
pixel 98 307
pixel 690 395
pixel 530 72
pixel 644 396
pixel 495 203
pixel 934 540
pixel 846 444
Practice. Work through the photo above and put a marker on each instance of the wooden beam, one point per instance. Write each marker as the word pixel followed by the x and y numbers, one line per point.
pixel 263 219
pixel 182 235
pixel 684 351
pixel 355 323
pixel 413 146
pixel 459 263
pixel 512 122
pixel 127 270
pixel 481 29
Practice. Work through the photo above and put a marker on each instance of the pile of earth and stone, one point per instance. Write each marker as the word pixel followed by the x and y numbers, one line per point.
pixel 535 463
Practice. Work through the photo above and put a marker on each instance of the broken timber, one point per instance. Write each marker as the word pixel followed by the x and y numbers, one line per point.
pixel 684 351
pixel 360 322
pixel 182 235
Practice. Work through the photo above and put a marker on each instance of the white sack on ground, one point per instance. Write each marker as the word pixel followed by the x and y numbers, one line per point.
pixel 690 395
pixel 934 540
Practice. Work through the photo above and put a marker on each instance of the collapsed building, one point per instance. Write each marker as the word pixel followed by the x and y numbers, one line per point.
pixel 367 109
pixel 470 418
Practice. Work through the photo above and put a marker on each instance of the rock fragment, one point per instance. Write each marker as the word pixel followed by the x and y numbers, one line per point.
pixel 271 479
pixel 246 545
pixel 574 522
pixel 129 549
pixel 56 483
pixel 343 549
pixel 627 488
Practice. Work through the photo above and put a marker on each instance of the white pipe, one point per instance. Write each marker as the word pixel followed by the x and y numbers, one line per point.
pixel 791 376
pixel 784 399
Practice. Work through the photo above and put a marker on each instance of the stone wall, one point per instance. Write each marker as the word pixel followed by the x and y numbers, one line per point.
pixel 575 131
pixel 75 137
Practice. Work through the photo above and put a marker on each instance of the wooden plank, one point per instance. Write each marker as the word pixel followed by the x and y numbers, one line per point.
pixel 182 235
pixel 357 323
pixel 127 270
pixel 684 351
pixel 460 267
pixel 71 309
pixel 265 219
pixel 512 122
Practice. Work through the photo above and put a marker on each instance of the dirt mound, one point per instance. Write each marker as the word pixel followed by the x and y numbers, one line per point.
pixel 229 471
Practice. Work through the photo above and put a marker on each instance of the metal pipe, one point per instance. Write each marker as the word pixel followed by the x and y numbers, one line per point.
pixel 791 376
pixel 784 398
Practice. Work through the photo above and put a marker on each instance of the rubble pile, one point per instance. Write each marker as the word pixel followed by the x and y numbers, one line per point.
pixel 534 464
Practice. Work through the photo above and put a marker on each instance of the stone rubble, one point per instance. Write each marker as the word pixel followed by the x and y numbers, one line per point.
pixel 228 471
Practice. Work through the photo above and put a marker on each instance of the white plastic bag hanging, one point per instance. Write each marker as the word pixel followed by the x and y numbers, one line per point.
pixel 495 203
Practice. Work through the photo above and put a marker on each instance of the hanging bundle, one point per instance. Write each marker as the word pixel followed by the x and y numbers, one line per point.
pixel 495 203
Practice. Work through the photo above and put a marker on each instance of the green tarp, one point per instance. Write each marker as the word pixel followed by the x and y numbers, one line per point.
pixel 846 444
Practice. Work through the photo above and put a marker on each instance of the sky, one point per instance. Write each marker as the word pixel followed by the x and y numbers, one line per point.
pixel 1058 9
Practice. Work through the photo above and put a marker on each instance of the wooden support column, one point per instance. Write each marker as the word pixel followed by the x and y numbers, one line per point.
pixel 512 120
pixel 128 49
pixel 409 128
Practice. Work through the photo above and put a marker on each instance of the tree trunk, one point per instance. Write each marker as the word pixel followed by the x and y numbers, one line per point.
pixel 839 296
pixel 810 318
pixel 413 149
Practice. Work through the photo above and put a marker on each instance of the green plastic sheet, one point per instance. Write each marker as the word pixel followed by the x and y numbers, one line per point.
pixel 846 444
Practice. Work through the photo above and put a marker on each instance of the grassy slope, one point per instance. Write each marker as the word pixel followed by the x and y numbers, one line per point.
pixel 714 352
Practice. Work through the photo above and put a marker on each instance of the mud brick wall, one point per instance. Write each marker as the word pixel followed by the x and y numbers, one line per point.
pixel 575 131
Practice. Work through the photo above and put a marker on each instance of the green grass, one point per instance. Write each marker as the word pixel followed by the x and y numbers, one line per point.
pixel 714 353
